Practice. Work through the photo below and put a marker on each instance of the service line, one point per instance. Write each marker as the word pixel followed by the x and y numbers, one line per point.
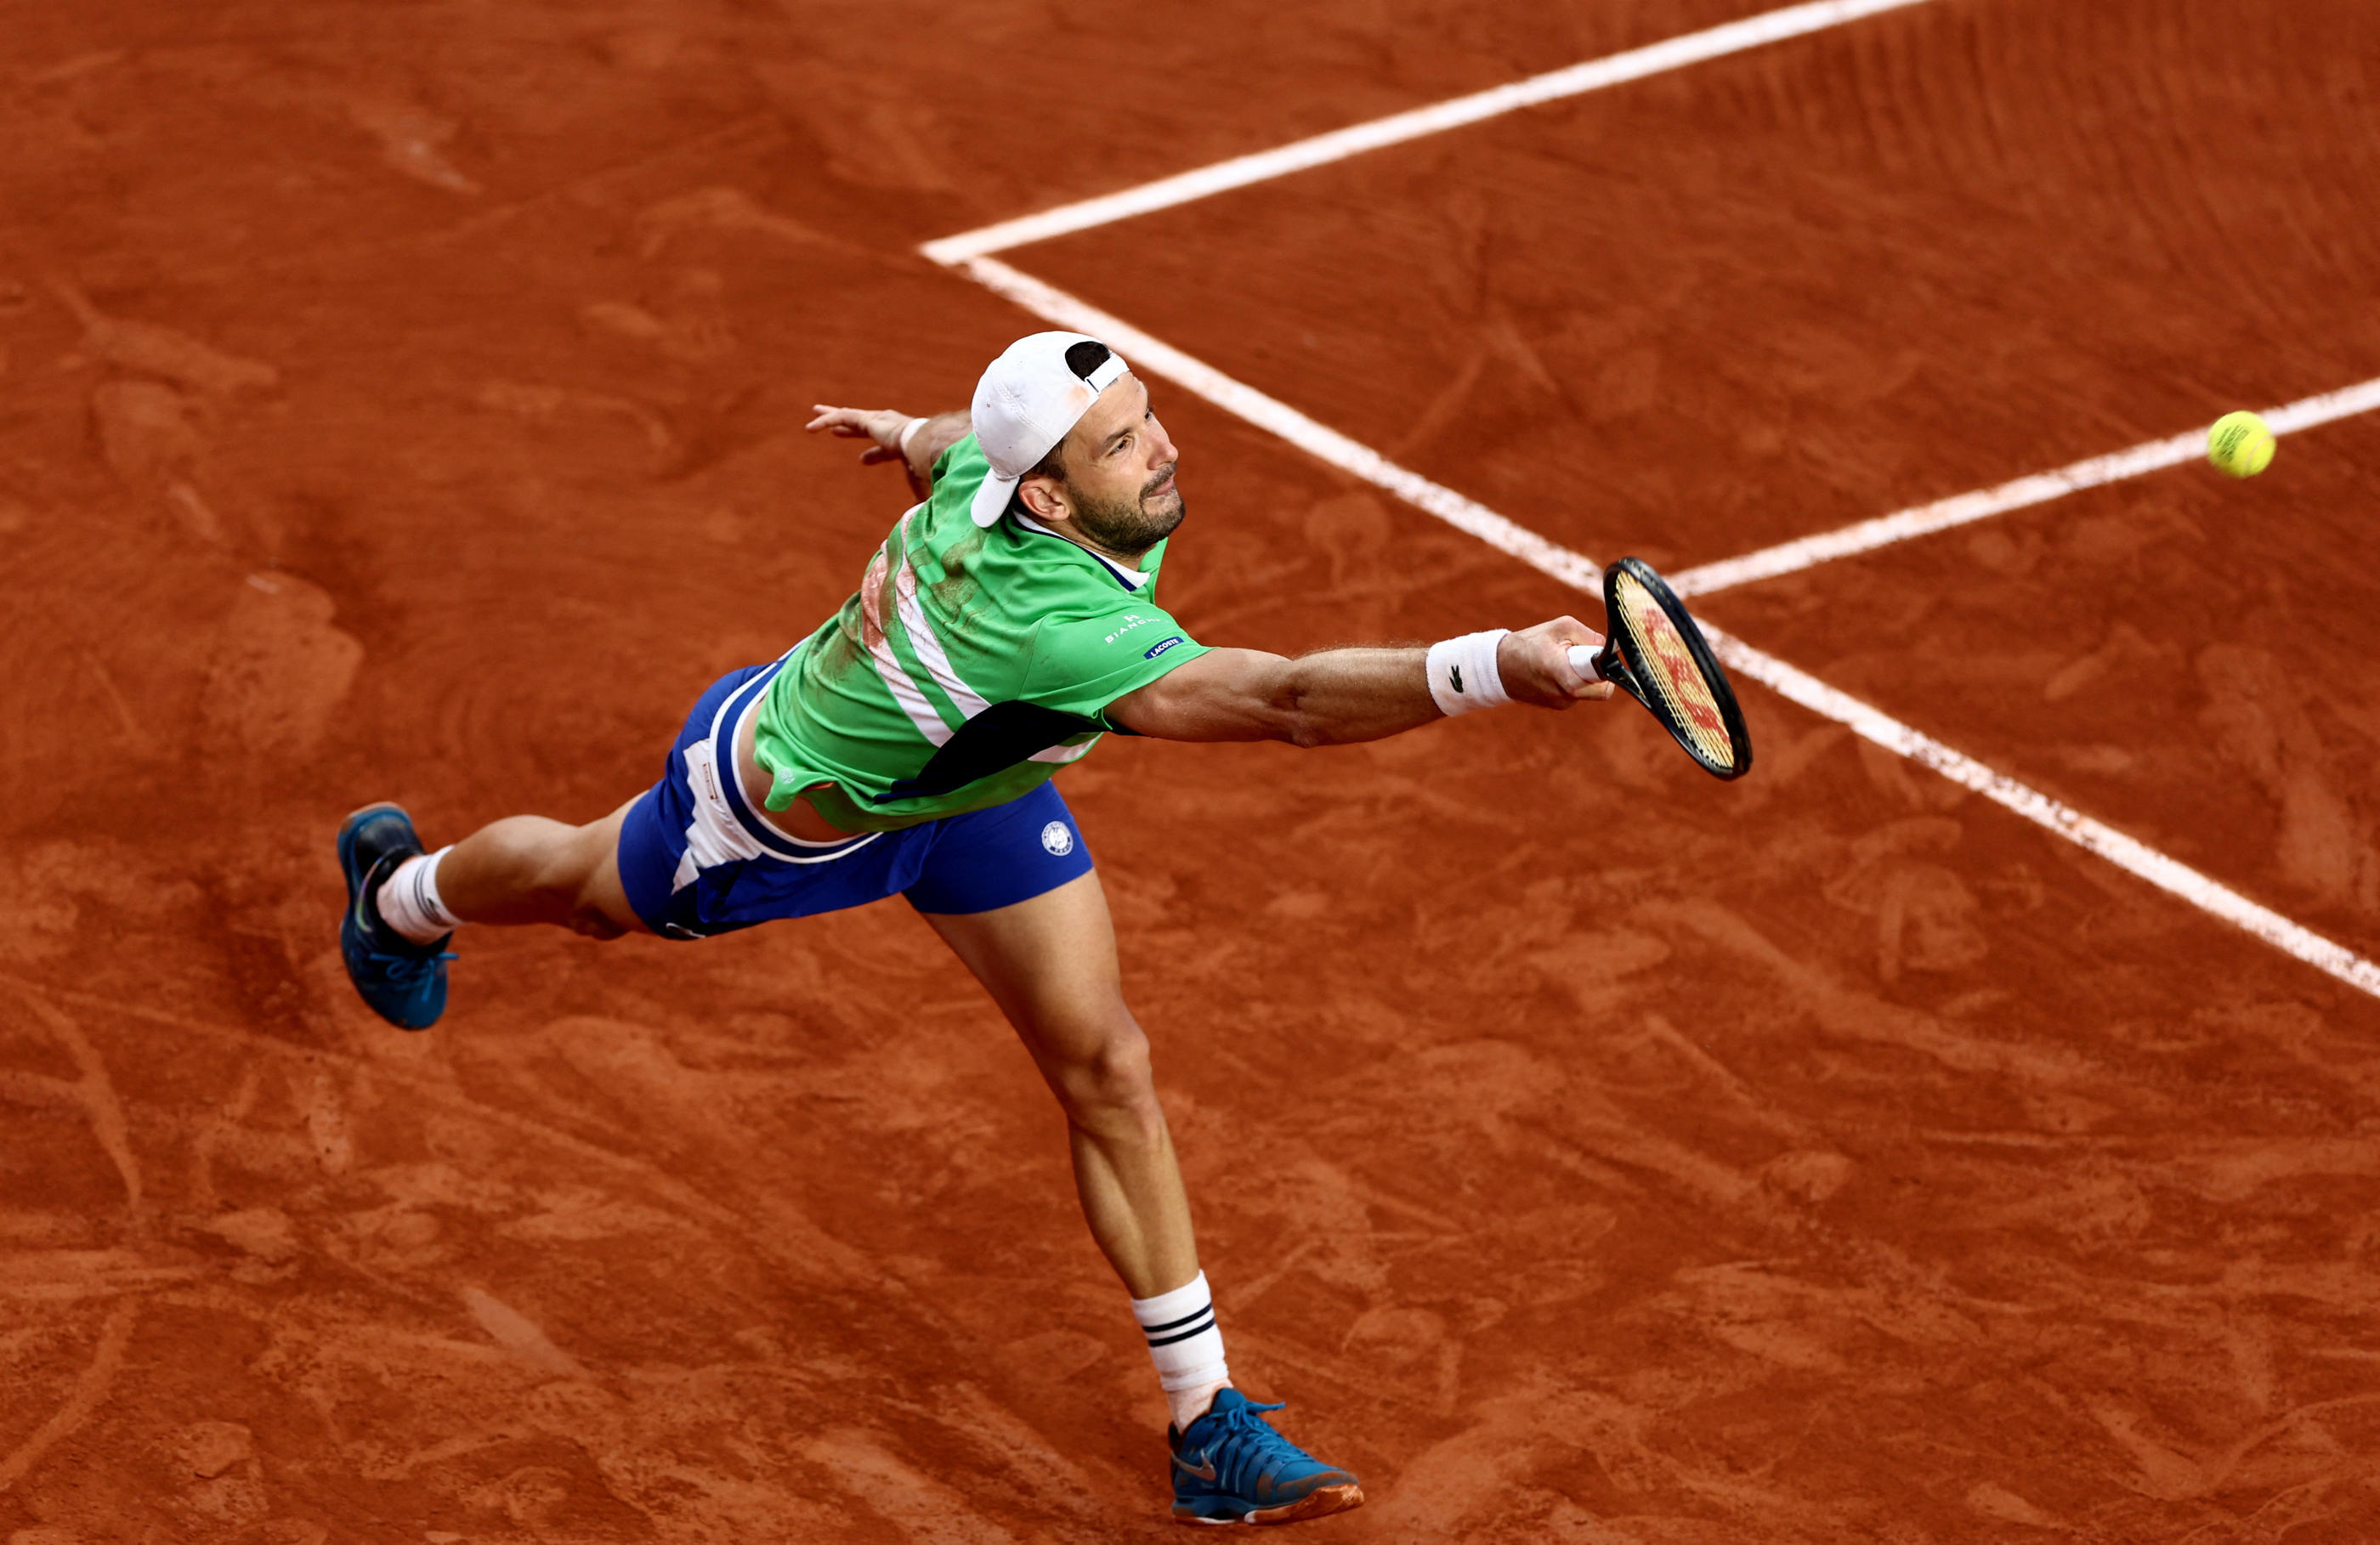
pixel 1595 75
pixel 1328 445
pixel 2040 488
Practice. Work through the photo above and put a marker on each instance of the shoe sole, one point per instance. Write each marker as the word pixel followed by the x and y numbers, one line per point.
pixel 1319 1502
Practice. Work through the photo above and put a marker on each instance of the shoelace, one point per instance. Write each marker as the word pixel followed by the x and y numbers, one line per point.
pixel 1244 1445
pixel 407 971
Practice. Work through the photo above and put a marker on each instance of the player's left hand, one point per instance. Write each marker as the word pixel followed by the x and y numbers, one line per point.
pixel 1535 665
pixel 881 424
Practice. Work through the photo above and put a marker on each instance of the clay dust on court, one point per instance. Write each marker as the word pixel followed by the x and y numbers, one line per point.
pixel 403 402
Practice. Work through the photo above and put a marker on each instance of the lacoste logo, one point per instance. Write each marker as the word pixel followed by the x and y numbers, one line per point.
pixel 1204 1470
pixel 1154 650
pixel 1454 675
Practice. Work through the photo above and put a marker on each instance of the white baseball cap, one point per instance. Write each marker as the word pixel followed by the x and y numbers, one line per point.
pixel 1028 400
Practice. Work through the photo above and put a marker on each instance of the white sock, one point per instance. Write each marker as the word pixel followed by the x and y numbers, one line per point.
pixel 407 901
pixel 1187 1346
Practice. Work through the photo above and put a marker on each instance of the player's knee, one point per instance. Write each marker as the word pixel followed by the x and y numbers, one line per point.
pixel 1112 1088
pixel 593 886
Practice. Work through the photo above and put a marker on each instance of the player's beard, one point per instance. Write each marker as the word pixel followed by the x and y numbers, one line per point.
pixel 1132 527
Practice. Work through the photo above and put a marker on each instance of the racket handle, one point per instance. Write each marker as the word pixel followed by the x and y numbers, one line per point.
pixel 1582 659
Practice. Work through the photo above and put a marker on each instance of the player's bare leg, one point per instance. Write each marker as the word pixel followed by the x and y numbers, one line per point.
pixel 530 869
pixel 1051 964
pixel 404 904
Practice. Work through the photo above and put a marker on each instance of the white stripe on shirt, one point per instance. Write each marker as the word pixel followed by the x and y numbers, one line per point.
pixel 897 681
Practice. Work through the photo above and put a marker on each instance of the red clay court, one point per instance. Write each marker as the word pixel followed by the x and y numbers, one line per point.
pixel 404 401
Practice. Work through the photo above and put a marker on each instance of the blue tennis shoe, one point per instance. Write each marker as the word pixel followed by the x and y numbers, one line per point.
pixel 1231 1467
pixel 404 983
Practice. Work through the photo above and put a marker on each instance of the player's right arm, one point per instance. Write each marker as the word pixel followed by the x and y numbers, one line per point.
pixel 1340 696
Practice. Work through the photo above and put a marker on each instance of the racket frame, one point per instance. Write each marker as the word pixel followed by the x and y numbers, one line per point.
pixel 1611 665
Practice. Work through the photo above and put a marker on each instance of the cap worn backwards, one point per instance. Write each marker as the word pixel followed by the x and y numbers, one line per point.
pixel 1028 400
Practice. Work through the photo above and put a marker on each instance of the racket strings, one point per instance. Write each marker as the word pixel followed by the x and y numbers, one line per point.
pixel 1662 662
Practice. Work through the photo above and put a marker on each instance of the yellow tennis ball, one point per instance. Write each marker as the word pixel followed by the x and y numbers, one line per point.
pixel 2239 444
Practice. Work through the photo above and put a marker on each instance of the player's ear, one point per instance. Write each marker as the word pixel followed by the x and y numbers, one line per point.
pixel 1044 499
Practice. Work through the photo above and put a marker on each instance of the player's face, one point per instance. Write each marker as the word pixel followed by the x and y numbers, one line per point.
pixel 1120 466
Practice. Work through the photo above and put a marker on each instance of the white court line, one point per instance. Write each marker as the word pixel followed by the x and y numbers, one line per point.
pixel 1271 412
pixel 2127 854
pixel 968 252
pixel 2040 488
pixel 1595 75
pixel 1573 569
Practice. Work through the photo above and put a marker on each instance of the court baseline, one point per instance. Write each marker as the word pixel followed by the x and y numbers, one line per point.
pixel 1595 75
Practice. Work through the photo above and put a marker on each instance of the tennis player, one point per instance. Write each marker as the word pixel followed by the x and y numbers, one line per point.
pixel 907 746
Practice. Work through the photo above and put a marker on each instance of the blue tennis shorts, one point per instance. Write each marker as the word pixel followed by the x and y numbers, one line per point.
pixel 697 859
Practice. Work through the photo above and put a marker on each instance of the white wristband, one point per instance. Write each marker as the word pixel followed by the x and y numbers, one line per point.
pixel 909 432
pixel 1463 674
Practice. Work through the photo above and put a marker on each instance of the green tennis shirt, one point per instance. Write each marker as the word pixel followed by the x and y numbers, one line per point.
pixel 971 665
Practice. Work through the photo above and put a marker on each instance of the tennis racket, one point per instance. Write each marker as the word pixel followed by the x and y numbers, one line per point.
pixel 1656 655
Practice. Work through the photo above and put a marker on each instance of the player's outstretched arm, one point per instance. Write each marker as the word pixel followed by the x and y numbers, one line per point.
pixel 1339 697
pixel 894 436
